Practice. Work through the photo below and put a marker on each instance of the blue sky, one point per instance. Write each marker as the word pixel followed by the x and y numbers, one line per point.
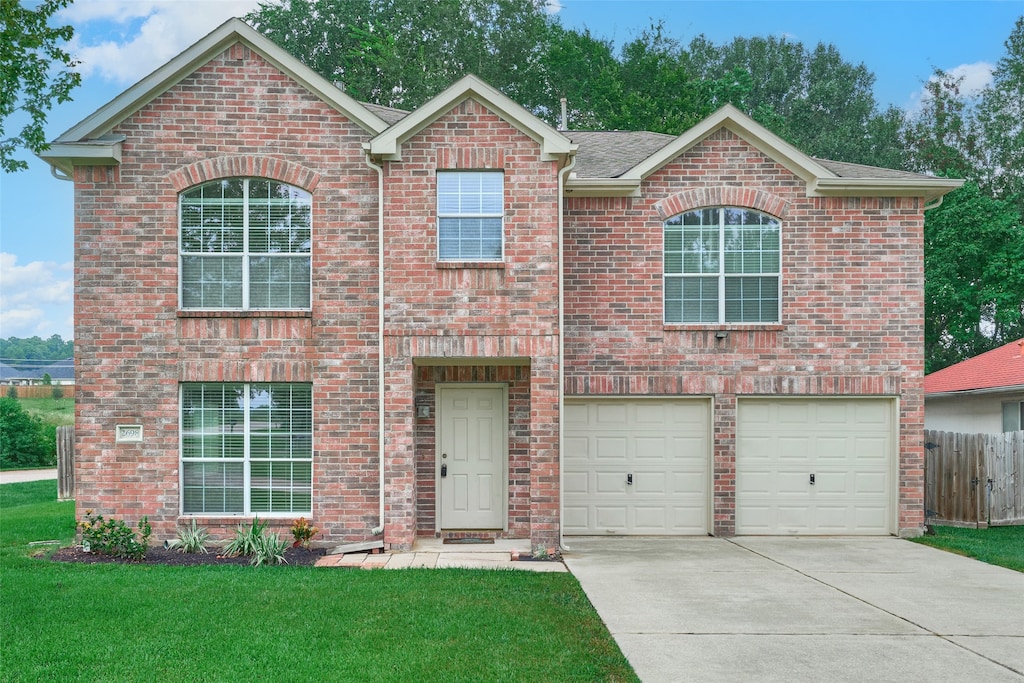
pixel 120 41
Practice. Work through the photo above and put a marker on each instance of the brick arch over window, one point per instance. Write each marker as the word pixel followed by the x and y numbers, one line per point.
pixel 241 166
pixel 744 197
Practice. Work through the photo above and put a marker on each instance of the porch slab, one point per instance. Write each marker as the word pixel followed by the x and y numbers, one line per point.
pixel 432 553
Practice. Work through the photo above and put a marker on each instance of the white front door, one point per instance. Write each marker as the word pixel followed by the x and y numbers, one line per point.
pixel 472 447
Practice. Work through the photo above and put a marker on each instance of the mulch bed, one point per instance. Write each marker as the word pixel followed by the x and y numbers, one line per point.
pixel 296 557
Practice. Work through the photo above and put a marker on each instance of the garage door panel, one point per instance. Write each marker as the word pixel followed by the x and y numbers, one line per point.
pixel 662 443
pixel 610 448
pixel 609 482
pixel 847 444
pixel 576 483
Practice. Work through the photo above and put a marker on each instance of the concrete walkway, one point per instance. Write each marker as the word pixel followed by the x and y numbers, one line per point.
pixel 803 609
pixel 19 476
pixel 433 554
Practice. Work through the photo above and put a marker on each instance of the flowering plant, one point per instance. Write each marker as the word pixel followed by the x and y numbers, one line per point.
pixel 303 532
pixel 114 537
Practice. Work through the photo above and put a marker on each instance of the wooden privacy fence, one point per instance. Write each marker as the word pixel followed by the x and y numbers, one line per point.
pixel 974 479
pixel 65 463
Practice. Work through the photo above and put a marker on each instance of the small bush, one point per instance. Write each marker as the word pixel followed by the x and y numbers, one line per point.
pixel 24 439
pixel 12 391
pixel 246 540
pixel 302 532
pixel 269 550
pixel 113 537
pixel 190 540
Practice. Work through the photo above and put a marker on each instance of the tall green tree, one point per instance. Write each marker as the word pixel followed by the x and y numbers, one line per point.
pixel 1001 119
pixel 974 276
pixel 400 53
pixel 817 100
pixel 35 73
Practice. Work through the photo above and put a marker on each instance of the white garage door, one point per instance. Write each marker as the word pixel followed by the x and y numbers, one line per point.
pixel 814 466
pixel 637 466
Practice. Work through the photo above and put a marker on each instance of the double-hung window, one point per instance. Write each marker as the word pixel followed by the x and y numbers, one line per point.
pixel 245 245
pixel 246 449
pixel 722 265
pixel 470 215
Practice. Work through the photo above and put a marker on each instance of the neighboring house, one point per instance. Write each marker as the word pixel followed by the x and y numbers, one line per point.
pixel 461 321
pixel 981 395
pixel 61 372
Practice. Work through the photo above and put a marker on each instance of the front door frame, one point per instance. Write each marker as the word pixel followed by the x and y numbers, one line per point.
pixel 439 423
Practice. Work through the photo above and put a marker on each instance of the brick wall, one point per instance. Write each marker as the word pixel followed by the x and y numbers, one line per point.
pixel 235 116
pixel 852 307
pixel 479 310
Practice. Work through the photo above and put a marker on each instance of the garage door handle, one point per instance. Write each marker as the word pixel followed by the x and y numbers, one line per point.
pixel 812 480
pixel 629 479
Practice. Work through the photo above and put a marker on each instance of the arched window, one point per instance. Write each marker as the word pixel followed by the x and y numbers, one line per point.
pixel 245 245
pixel 722 265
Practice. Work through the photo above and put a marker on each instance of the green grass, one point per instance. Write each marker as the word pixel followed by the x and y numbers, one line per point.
pixel 1001 545
pixel 76 622
pixel 57 413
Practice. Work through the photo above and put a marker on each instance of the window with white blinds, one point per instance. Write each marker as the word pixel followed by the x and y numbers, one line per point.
pixel 470 215
pixel 246 449
pixel 722 265
pixel 245 244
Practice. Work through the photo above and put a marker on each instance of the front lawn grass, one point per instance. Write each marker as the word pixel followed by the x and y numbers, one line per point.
pixel 113 622
pixel 56 412
pixel 1001 545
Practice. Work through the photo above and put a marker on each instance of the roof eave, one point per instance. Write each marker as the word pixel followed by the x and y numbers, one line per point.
pixel 932 189
pixel 225 35
pixel 65 156
pixel 602 187
pixel 1011 389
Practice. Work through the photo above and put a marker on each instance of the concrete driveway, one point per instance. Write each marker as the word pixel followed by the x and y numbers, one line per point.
pixel 803 609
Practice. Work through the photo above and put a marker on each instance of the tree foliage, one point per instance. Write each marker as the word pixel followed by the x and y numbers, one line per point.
pixel 24 439
pixel 35 73
pixel 14 349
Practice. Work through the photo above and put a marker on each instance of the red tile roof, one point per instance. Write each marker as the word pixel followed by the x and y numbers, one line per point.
pixel 1001 367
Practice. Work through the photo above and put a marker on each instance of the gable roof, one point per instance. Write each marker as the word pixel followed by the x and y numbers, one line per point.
pixel 1000 368
pixel 388 145
pixel 643 155
pixel 89 141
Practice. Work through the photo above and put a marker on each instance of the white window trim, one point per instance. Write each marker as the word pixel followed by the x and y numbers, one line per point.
pixel 500 215
pixel 721 275
pixel 245 254
pixel 246 460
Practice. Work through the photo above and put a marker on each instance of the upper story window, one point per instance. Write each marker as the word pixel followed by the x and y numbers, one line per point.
pixel 722 266
pixel 470 211
pixel 245 245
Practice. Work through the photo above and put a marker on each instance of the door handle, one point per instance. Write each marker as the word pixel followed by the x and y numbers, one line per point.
pixel 812 480
pixel 444 470
pixel 629 479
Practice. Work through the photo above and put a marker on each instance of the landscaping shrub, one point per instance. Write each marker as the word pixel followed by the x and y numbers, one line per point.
pixel 113 537
pixel 25 441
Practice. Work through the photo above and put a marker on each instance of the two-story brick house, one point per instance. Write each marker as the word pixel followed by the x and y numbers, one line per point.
pixel 460 320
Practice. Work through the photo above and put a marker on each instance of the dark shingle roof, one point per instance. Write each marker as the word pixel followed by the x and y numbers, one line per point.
pixel 389 115
pixel 848 170
pixel 609 154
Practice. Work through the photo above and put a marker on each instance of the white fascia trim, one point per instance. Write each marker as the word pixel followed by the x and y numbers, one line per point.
pixel 602 187
pixel 929 188
pixel 220 39
pixel 1012 389
pixel 554 145
pixel 65 156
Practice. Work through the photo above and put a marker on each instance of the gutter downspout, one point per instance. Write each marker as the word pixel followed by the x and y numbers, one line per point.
pixel 562 175
pixel 379 529
pixel 59 174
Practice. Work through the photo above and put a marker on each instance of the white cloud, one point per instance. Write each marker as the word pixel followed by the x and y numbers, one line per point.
pixel 167 27
pixel 976 77
pixel 35 298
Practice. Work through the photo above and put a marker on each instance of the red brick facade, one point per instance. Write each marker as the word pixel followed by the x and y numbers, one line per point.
pixel 851 322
